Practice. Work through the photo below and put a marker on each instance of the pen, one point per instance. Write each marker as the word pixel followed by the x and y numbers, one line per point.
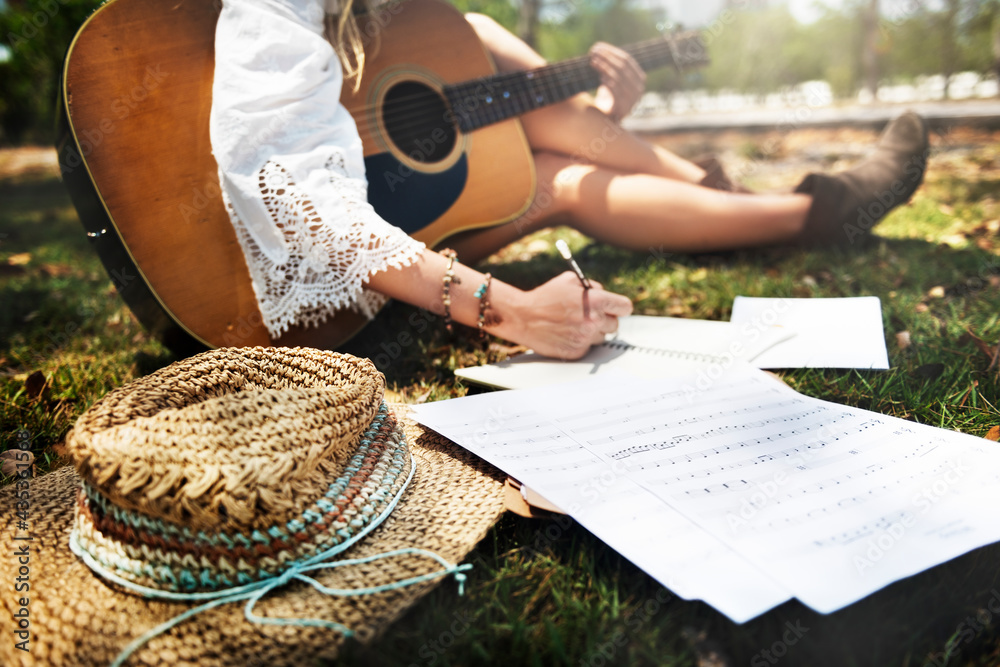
pixel 568 256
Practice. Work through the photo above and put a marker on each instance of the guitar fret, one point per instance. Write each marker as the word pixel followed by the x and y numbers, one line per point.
pixel 524 92
pixel 495 98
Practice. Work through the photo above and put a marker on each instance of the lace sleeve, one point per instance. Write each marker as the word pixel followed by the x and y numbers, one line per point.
pixel 291 167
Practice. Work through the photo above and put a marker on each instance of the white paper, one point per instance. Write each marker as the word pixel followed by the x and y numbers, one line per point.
pixel 514 431
pixel 832 502
pixel 830 333
pixel 741 492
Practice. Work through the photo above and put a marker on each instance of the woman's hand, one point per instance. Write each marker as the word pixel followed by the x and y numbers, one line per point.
pixel 622 80
pixel 562 319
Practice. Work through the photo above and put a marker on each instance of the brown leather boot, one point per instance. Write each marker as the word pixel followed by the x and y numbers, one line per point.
pixel 847 206
pixel 716 177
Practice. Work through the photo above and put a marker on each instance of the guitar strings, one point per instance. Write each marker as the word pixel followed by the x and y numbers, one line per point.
pixel 545 80
pixel 542 76
pixel 554 82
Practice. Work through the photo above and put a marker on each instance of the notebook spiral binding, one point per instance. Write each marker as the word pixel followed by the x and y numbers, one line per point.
pixel 662 352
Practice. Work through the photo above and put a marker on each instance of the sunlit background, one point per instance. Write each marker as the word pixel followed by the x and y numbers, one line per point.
pixel 763 52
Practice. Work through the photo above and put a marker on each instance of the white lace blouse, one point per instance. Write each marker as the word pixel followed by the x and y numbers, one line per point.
pixel 291 168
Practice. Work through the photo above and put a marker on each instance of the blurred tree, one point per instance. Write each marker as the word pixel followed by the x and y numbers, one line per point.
pixel 914 47
pixel 996 45
pixel 948 28
pixel 870 54
pixel 765 50
pixel 614 21
pixel 37 33
pixel 979 38
pixel 527 21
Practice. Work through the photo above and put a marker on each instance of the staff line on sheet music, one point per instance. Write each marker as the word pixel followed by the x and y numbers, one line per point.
pixel 852 497
pixel 804 467
pixel 734 485
pixel 702 454
pixel 700 435
pixel 682 394
pixel 659 423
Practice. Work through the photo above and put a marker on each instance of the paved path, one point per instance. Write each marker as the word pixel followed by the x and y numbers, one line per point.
pixel 976 113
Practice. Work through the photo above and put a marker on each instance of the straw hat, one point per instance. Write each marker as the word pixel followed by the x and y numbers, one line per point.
pixel 238 474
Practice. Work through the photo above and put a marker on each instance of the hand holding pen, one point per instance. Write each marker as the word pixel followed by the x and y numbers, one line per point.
pixel 559 319
pixel 568 256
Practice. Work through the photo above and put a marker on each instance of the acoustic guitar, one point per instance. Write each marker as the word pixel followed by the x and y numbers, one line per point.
pixel 443 150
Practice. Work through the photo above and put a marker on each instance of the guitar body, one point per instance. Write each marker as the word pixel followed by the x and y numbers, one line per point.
pixel 434 181
pixel 136 156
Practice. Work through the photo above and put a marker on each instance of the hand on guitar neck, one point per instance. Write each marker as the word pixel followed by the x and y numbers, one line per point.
pixel 623 81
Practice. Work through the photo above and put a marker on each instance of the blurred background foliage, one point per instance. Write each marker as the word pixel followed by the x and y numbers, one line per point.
pixel 756 46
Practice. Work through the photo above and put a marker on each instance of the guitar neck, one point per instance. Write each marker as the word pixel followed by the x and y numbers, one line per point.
pixel 496 98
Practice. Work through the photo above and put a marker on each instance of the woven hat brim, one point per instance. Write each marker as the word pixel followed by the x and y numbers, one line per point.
pixel 76 618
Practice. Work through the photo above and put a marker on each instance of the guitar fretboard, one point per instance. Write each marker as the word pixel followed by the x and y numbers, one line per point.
pixel 496 98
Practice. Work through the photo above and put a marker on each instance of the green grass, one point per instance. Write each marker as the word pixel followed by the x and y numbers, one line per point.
pixel 547 592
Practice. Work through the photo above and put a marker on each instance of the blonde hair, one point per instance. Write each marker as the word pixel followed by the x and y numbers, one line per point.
pixel 343 32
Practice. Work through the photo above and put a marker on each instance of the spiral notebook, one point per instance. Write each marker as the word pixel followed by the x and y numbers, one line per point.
pixel 645 347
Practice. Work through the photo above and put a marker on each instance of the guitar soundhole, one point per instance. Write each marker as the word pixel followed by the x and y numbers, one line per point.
pixel 416 118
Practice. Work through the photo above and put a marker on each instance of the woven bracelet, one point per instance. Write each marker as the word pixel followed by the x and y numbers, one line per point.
pixel 484 303
pixel 446 281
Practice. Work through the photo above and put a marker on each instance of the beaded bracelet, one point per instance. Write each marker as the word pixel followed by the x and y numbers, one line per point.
pixel 449 278
pixel 484 303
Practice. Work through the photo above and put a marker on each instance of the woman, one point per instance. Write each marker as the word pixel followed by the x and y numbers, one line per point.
pixel 292 176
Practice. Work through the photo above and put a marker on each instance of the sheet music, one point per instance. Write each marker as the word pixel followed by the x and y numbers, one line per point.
pixel 508 430
pixel 832 502
pixel 745 492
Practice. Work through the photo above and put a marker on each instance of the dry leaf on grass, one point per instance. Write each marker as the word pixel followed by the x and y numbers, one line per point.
pixel 34 385
pixel 57 270
pixel 990 351
pixel 993 434
pixel 13 461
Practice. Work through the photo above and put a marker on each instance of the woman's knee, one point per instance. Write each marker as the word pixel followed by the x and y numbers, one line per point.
pixel 558 181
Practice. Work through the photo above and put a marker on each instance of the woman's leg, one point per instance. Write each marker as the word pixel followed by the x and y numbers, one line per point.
pixel 576 127
pixel 641 212
pixel 614 187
